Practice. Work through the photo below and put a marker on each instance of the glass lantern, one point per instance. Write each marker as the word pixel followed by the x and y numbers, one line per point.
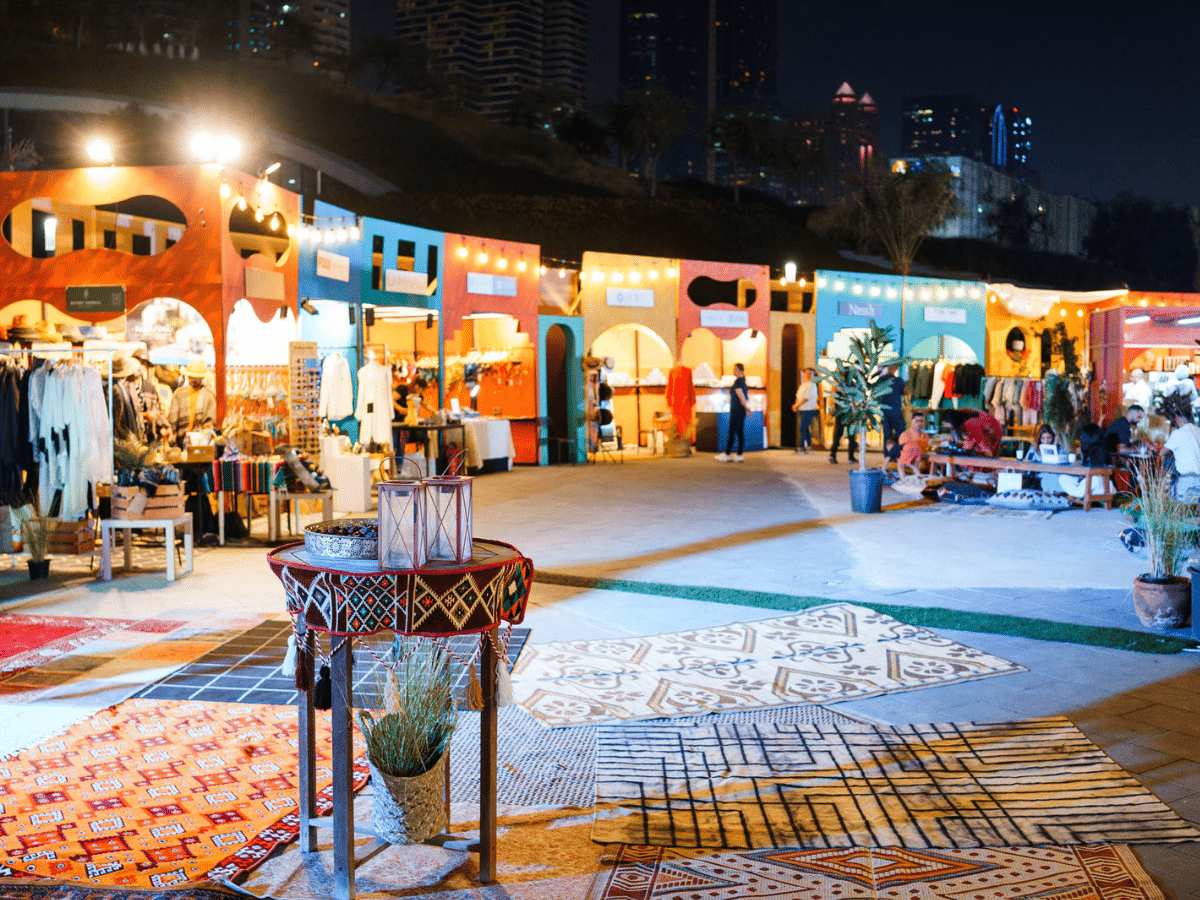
pixel 448 518
pixel 401 524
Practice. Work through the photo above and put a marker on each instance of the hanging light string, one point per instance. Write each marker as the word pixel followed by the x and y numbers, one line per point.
pixel 329 230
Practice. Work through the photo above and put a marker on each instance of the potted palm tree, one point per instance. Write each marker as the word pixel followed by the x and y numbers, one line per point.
pixel 1162 597
pixel 858 401
pixel 407 738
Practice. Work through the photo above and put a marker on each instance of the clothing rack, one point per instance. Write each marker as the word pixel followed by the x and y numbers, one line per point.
pixel 80 354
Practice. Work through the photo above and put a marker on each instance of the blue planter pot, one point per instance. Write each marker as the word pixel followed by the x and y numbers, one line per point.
pixel 866 490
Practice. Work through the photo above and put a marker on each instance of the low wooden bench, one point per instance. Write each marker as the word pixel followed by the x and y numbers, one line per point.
pixel 950 463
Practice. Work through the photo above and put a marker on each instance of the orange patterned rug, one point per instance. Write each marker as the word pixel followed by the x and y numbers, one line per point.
pixel 159 793
pixel 1094 872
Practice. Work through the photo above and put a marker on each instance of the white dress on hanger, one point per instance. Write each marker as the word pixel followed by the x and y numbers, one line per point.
pixel 337 391
pixel 374 409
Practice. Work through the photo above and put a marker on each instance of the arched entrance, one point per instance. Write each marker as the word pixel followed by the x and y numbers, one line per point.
pixel 791 353
pixel 559 352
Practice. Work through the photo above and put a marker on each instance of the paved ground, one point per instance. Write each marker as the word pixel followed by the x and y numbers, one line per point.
pixel 781 522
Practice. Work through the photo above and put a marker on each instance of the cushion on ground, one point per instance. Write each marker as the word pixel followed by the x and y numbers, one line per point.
pixel 1027 498
pixel 963 492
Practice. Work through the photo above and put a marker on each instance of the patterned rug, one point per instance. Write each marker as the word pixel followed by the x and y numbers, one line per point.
pixel 158 793
pixel 1102 872
pixel 975 784
pixel 536 767
pixel 27 641
pixel 824 654
pixel 22 891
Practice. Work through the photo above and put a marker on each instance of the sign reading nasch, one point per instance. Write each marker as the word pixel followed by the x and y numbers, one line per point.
pixel 946 314
pixel 333 265
pixel 725 318
pixel 629 297
pixel 495 285
pixel 399 281
pixel 865 310
pixel 96 298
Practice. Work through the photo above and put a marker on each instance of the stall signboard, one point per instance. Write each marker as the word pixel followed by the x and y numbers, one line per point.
pixel 398 281
pixel 495 285
pixel 947 314
pixel 642 297
pixel 96 298
pixel 333 265
pixel 725 318
pixel 864 310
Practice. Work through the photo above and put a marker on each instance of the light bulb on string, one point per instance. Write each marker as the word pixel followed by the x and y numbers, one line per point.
pixel 562 273
pixel 652 275
pixel 502 263
pixel 635 277
pixel 241 203
pixel 275 222
pixel 617 277
pixel 541 270
pixel 290 229
pixel 258 214
pixel 462 252
pixel 225 190
pixel 355 233
pixel 482 258
pixel 521 267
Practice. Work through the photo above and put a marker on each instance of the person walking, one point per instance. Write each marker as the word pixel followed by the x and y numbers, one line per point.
pixel 839 426
pixel 806 405
pixel 893 405
pixel 739 403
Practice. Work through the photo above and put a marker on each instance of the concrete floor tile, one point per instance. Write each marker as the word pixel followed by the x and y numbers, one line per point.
pixel 1135 758
pixel 1172 743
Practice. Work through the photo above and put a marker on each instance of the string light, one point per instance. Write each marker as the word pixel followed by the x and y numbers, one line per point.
pixel 225 190
pixel 653 275
pixel 541 270
pixel 521 266
pixel 635 277
pixel 502 263
pixel 482 258
pixel 672 272
pixel 275 222
pixel 241 203
pixel 462 252
pixel 562 273
pixel 290 229
pixel 617 277
pixel 258 214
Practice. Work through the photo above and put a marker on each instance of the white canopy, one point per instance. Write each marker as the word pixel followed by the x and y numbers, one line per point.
pixel 1033 303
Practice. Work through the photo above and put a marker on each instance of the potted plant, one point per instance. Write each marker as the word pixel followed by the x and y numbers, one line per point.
pixel 858 397
pixel 407 738
pixel 35 535
pixel 1162 597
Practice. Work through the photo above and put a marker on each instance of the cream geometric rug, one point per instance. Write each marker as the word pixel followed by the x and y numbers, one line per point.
pixel 974 784
pixel 825 654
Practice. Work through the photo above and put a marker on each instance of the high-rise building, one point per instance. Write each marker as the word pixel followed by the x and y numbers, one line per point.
pixel 960 125
pixel 501 46
pixel 848 135
pixel 330 22
pixel 665 44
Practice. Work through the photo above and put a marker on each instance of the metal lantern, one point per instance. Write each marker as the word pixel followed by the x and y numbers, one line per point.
pixel 401 524
pixel 448 523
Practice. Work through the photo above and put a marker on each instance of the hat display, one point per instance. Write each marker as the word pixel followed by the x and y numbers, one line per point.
pixel 195 369
pixel 47 332
pixel 22 329
pixel 123 367
pixel 71 332
pixel 141 355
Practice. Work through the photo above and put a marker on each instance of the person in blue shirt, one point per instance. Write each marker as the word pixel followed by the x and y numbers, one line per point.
pixel 739 403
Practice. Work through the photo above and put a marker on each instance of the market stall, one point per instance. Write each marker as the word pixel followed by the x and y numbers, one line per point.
pixel 490 328
pixel 791 347
pixel 629 317
pixel 723 314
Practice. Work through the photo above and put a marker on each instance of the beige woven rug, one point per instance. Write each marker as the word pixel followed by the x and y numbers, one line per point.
pixel 825 654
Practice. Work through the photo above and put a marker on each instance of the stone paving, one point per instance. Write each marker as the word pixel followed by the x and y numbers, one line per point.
pixel 781 522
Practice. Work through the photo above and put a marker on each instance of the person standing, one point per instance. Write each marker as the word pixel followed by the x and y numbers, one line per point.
pixel 739 403
pixel 893 405
pixel 194 406
pixel 839 426
pixel 806 405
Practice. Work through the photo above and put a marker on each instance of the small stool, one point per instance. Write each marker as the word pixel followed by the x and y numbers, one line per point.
pixel 107 526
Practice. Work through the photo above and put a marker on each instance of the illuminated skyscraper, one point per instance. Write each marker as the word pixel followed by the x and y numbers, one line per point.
pixel 960 125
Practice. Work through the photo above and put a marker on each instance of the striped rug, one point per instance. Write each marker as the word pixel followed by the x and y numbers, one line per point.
pixel 813 786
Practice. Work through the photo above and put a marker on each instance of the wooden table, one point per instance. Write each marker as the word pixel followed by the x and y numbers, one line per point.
pixel 435 600
pixel 108 526
pixel 1005 464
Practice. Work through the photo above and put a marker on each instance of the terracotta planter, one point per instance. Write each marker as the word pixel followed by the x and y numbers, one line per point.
pixel 1165 604
pixel 409 810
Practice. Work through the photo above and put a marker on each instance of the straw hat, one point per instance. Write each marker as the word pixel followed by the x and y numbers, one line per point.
pixel 123 367
pixel 22 328
pixel 195 369
pixel 71 332
pixel 47 332
pixel 141 356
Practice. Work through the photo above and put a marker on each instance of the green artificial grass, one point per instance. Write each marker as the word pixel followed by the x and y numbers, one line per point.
pixel 925 617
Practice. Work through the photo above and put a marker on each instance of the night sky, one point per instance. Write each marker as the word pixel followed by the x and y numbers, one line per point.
pixel 1113 88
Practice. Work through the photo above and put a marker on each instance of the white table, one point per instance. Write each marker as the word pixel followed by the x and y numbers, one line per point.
pixel 274 503
pixel 107 526
pixel 486 439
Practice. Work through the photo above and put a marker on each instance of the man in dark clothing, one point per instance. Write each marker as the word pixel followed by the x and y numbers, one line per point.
pixel 739 401
pixel 1119 436
pixel 893 406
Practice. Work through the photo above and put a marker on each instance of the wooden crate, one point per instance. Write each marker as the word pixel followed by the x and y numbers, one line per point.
pixel 69 538
pixel 167 502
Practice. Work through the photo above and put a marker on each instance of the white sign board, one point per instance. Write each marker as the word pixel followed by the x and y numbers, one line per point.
pixel 629 297
pixel 264 285
pixel 402 282
pixel 946 314
pixel 496 285
pixel 333 265
pixel 725 318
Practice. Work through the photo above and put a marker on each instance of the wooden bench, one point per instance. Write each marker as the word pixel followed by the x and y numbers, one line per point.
pixel 949 464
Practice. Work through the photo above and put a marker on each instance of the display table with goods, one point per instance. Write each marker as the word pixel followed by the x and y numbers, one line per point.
pixel 249 475
pixel 354 578
pixel 488 443
pixel 149 498
pixel 951 463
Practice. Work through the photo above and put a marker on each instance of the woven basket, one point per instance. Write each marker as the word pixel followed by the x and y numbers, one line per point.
pixel 409 810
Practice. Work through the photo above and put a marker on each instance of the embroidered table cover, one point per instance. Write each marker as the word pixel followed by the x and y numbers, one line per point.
pixel 437 599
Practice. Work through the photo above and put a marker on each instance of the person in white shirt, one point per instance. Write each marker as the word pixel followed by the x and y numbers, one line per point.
pixel 806 405
pixel 1184 446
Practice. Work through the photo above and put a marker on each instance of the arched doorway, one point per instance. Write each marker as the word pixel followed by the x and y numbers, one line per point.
pixel 558 353
pixel 791 352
